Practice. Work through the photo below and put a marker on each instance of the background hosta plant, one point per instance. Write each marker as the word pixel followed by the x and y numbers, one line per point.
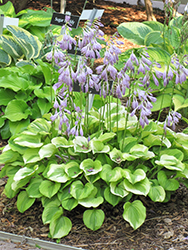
pixel 26 94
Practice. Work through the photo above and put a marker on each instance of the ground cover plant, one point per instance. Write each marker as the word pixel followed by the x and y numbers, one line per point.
pixel 113 154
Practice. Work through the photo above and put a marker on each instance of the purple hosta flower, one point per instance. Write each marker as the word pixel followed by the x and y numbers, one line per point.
pixel 134 58
pixel 170 73
pixel 146 61
pixel 155 80
pixel 67 18
pixel 141 69
pixel 159 74
pixel 112 70
pixel 142 102
pixel 67 42
pixel 172 119
pixel 88 44
pixel 58 56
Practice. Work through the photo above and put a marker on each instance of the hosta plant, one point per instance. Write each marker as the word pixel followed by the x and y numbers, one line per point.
pixel 26 94
pixel 105 167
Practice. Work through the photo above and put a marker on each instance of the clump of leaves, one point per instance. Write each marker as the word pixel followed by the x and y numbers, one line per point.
pixel 64 172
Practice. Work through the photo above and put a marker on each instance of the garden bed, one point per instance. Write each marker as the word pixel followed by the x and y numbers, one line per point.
pixel 166 223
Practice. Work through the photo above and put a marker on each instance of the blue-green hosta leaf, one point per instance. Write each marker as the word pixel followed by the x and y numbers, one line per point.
pixel 98 147
pixel 72 169
pixel 33 188
pixel 61 142
pixel 105 173
pixel 173 35
pixel 118 188
pixel 154 37
pixel 111 198
pixel 29 43
pixel 40 126
pixel 81 144
pixel 93 219
pixel 49 188
pixel 47 150
pixel 156 26
pixel 57 173
pixel 179 102
pixel 170 162
pixel 134 213
pixel 139 150
pixel 69 204
pixel 50 209
pixel 11 47
pixel 5 58
pixel 17 110
pixel 91 167
pixel 157 193
pixel 139 188
pixel 134 31
pixel 24 202
pixel 167 184
pixel 60 225
pixel 14 82
pixel 31 155
pixel 27 139
pixel 79 191
pixel 136 176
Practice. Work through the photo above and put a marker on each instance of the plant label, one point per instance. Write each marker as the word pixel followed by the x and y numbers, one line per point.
pixel 59 19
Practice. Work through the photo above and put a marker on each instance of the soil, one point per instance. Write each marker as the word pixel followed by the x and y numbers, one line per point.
pixel 166 225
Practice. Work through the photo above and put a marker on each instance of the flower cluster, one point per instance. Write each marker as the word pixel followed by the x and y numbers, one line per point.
pixel 172 119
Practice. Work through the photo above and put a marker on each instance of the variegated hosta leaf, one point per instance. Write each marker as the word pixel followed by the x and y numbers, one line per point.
pixel 11 47
pixel 5 58
pixel 30 44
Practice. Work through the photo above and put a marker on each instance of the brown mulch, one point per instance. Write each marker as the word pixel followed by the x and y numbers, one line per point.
pixel 166 225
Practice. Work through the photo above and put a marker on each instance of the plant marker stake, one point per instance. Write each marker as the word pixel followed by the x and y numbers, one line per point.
pixel 1 23
pixel 4 21
pixel 62 6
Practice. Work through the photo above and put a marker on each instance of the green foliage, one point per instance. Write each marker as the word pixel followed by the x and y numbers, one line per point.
pixel 26 94
pixel 155 34
pixel 109 168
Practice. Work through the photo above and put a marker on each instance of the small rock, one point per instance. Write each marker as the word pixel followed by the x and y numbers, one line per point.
pixel 168 221
pixel 168 235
